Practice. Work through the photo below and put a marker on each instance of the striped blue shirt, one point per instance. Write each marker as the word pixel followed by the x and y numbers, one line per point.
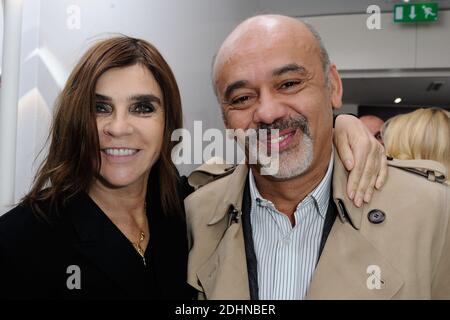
pixel 287 256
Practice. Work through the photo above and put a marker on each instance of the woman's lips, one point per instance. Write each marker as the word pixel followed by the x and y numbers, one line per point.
pixel 120 154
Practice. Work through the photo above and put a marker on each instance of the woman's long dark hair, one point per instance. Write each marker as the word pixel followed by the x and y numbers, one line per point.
pixel 74 155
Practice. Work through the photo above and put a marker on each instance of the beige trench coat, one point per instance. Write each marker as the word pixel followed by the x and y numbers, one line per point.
pixel 409 250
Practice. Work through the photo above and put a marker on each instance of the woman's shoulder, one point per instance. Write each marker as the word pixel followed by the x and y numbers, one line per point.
pixel 16 216
pixel 19 221
pixel 42 212
pixel 30 220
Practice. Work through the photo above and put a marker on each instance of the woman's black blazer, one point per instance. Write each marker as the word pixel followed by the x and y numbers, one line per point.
pixel 81 254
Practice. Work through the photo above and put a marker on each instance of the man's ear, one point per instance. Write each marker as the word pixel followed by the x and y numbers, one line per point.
pixel 336 89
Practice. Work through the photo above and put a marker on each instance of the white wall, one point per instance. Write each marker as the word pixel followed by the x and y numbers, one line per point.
pixel 33 115
pixel 352 46
pixel 1 33
pixel 433 43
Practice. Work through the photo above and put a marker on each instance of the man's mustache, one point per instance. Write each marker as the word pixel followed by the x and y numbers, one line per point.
pixel 299 122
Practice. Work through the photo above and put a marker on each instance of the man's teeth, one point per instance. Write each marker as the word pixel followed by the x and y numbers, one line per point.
pixel 121 152
pixel 280 138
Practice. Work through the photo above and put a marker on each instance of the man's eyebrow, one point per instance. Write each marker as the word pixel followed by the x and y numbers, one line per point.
pixel 145 98
pixel 292 67
pixel 233 86
pixel 102 97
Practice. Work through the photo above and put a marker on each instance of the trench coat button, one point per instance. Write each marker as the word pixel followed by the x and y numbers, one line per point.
pixel 376 216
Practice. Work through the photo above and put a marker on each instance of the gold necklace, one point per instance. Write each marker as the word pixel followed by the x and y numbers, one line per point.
pixel 137 245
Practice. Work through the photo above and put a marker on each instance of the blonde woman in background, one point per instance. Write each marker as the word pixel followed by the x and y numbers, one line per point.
pixel 422 134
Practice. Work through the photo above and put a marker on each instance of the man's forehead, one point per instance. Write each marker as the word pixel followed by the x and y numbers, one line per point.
pixel 256 44
pixel 258 40
pixel 266 60
pixel 268 25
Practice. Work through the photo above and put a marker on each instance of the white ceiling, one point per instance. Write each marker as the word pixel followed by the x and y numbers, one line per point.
pixel 307 8
pixel 383 91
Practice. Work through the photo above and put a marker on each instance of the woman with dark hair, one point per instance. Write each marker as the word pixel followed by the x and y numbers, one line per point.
pixel 105 217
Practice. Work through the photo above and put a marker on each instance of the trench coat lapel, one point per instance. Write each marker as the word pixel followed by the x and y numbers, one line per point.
pixel 345 267
pixel 348 267
pixel 224 274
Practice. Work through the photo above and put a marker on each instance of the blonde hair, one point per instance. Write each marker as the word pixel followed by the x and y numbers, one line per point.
pixel 422 134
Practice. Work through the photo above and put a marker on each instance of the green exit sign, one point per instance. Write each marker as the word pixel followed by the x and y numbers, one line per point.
pixel 416 12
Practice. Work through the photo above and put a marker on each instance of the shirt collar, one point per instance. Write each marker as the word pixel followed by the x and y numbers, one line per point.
pixel 320 195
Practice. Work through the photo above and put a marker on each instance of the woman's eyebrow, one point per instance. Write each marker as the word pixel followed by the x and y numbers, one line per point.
pixel 102 97
pixel 144 98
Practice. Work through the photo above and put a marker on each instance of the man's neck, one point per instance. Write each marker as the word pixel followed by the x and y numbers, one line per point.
pixel 287 194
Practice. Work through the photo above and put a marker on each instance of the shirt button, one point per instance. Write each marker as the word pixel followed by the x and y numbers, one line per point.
pixel 376 216
pixel 261 202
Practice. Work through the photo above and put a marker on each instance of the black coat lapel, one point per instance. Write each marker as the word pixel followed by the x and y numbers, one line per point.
pixel 106 247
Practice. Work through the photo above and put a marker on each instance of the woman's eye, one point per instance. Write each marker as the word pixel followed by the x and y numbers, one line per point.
pixel 102 108
pixel 143 108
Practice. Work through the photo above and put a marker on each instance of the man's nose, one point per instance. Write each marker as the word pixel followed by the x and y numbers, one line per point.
pixel 269 109
pixel 118 125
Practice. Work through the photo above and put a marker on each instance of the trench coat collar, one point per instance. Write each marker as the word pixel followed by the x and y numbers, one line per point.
pixel 232 196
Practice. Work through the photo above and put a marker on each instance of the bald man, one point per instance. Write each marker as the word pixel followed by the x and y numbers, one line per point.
pixel 374 124
pixel 294 234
